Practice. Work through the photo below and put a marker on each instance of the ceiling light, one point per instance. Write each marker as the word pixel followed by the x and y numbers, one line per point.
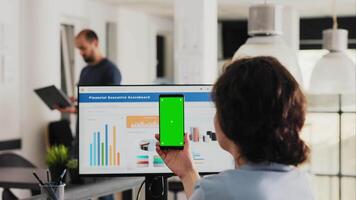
pixel 334 73
pixel 265 29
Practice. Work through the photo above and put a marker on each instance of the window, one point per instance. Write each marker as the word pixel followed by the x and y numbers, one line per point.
pixel 67 65
pixel 330 131
pixel 111 41
pixel 330 127
pixel 67 59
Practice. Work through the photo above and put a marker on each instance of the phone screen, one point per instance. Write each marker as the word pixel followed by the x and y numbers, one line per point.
pixel 171 121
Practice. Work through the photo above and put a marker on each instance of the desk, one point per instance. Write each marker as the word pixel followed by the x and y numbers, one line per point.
pixel 97 189
pixel 20 177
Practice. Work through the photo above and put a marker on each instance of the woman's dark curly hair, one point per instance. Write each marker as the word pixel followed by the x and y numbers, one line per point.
pixel 261 108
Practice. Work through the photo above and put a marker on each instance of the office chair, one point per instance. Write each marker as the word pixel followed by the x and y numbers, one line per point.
pixel 175 187
pixel 8 195
pixel 59 132
pixel 14 160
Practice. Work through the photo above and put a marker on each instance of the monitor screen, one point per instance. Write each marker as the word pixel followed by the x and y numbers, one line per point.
pixel 117 125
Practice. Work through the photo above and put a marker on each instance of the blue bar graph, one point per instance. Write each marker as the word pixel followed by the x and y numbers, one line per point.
pixel 99 154
pixel 106 145
pixel 98 148
pixel 94 149
pixel 91 154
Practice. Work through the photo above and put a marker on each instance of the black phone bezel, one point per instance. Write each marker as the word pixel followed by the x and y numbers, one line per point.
pixel 159 111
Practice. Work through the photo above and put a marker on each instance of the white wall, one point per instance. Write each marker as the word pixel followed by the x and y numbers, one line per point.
pixel 137 45
pixel 195 55
pixel 40 67
pixel 135 42
pixel 10 69
pixel 165 27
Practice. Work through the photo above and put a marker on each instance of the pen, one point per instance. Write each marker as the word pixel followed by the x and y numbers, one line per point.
pixel 47 175
pixel 61 176
pixel 39 180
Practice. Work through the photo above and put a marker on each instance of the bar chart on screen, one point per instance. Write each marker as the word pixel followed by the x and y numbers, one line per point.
pixel 103 148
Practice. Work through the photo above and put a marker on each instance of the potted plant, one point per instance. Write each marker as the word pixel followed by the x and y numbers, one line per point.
pixel 57 159
pixel 73 169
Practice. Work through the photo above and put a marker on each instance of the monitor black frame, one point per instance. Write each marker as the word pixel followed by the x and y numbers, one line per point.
pixel 130 174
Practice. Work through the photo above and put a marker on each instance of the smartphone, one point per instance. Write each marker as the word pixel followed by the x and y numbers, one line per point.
pixel 171 121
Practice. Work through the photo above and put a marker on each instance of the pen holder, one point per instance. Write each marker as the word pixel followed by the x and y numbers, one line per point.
pixel 53 191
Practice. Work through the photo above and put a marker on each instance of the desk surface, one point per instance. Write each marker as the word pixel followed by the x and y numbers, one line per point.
pixel 102 188
pixel 97 189
pixel 20 177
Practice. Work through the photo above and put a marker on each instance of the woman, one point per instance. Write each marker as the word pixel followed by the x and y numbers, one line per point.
pixel 260 111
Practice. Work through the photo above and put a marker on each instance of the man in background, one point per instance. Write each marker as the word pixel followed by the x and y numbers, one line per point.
pixel 99 71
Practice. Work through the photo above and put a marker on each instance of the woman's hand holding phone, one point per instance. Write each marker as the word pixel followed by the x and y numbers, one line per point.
pixel 181 163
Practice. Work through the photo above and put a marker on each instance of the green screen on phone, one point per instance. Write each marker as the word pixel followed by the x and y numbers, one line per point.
pixel 171 121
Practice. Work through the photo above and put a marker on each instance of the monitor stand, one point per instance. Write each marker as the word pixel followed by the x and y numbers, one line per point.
pixel 156 188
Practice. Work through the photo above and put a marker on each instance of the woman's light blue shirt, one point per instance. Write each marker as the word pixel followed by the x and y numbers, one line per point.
pixel 255 182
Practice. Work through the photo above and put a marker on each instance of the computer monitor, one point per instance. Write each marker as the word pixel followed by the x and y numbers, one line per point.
pixel 117 125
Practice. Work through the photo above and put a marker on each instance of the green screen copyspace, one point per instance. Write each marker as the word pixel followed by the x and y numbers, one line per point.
pixel 171 116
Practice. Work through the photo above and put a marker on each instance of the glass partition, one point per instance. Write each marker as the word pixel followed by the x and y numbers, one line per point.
pixel 330 131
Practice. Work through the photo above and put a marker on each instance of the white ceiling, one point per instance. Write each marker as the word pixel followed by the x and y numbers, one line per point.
pixel 238 9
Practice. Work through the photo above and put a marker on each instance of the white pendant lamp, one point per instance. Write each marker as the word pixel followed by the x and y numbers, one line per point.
pixel 334 73
pixel 265 29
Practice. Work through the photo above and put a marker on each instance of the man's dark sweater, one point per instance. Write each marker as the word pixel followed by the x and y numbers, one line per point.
pixel 103 73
